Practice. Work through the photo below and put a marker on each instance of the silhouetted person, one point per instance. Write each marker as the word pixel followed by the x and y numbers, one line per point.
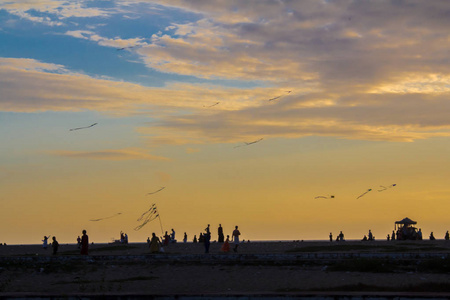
pixel 341 236
pixel 45 242
pixel 220 233
pixel 84 243
pixel 419 234
pixel 79 242
pixel 331 237
pixel 55 245
pixel 154 244
pixel 447 236
pixel 201 238
pixel 226 245
pixel 172 236
pixel 166 239
pixel 185 238
pixel 364 238
pixel 207 239
pixel 195 239
pixel 370 236
pixel 388 237
pixel 393 235
pixel 236 235
pixel 432 236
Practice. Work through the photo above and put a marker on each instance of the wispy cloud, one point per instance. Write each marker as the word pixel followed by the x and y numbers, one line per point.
pixel 55 10
pixel 103 41
pixel 115 155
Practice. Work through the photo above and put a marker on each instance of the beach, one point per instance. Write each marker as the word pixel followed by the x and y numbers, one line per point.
pixel 288 267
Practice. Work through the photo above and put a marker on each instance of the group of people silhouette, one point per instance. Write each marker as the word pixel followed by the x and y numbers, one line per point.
pixel 157 245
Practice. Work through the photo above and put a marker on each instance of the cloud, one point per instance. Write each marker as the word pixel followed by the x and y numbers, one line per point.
pixel 56 10
pixel 29 85
pixel 103 41
pixel 375 70
pixel 114 155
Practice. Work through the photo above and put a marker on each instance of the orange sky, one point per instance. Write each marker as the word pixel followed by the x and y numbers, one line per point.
pixel 339 98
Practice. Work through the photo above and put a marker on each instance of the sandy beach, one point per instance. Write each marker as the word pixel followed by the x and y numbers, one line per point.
pixel 257 268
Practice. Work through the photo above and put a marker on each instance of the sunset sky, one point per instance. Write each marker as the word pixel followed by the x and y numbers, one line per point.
pixel 339 97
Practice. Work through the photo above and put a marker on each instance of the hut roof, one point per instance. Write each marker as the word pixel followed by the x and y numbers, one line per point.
pixel 406 221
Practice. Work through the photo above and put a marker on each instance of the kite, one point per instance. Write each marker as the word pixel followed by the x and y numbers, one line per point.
pixel 211 105
pixel 325 197
pixel 119 49
pixel 83 127
pixel 388 187
pixel 275 98
pixel 156 191
pixel 249 143
pixel 95 220
pixel 150 215
pixel 363 193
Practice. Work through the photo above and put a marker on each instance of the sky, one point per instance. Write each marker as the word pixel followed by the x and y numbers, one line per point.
pixel 249 113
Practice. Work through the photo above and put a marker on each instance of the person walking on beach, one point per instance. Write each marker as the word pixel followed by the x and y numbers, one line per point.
pixel 236 235
pixel 154 244
pixel 220 233
pixel 84 243
pixel 55 245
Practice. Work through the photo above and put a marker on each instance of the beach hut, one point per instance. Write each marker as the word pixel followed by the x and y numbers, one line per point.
pixel 405 229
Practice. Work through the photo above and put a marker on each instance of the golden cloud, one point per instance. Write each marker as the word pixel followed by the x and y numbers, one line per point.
pixel 114 155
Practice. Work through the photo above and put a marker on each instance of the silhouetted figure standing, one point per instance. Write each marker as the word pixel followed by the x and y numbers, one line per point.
pixel 207 239
pixel 195 239
pixel 331 237
pixel 388 237
pixel 45 242
pixel 236 235
pixel 432 238
pixel 370 235
pixel 220 233
pixel 172 236
pixel 55 245
pixel 84 243
pixel 166 239
pixel 154 244
pixel 79 242
pixel 185 238
pixel 393 235
pixel 447 236
pixel 341 236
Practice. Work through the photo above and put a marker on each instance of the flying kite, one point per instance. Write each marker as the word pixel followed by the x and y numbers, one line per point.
pixel 95 220
pixel 388 187
pixel 363 193
pixel 83 127
pixel 275 98
pixel 119 49
pixel 211 105
pixel 249 143
pixel 150 215
pixel 156 191
pixel 325 197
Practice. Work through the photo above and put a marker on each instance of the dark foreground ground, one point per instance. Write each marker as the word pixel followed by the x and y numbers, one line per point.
pixel 419 268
